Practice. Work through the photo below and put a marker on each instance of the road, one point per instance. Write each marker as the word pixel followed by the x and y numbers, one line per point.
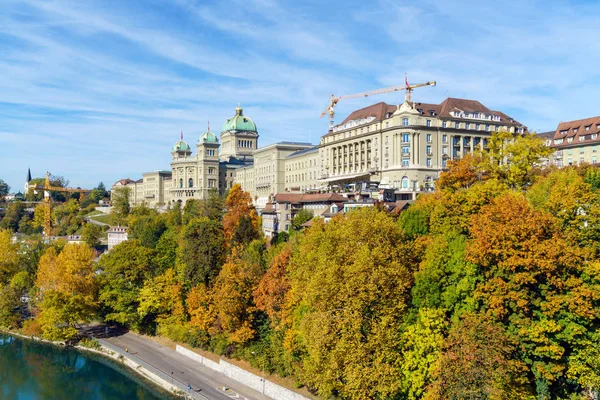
pixel 202 379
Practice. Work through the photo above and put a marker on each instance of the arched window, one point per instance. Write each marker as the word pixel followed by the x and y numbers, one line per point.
pixel 191 182
pixel 405 182
pixel 181 183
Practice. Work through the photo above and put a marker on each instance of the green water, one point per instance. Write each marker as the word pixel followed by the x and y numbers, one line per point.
pixel 36 371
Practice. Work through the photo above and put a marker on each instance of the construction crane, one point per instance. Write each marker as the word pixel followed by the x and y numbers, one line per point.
pixel 47 188
pixel 333 100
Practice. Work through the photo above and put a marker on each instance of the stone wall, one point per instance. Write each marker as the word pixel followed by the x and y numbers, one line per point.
pixel 249 379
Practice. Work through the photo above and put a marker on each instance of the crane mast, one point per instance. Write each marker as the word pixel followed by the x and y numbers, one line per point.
pixel 333 100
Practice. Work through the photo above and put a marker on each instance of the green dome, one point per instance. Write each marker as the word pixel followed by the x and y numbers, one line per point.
pixel 181 146
pixel 239 122
pixel 208 137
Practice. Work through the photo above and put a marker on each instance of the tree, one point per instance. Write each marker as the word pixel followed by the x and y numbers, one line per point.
pixel 270 295
pixel 238 204
pixel 125 268
pixel 414 221
pixel 301 217
pixel 147 228
pixel 234 307
pixel 67 288
pixel 12 216
pixel 214 206
pixel 350 283
pixel 91 234
pixel 537 284
pixel 121 208
pixel 200 251
pixel 478 363
pixel 4 189
pixel 245 232
pixel 512 158
pixel 461 174
pixel 422 346
pixel 9 256
pixel 161 299
pixel 165 253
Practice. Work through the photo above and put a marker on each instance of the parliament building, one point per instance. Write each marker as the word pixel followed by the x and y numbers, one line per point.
pixel 397 149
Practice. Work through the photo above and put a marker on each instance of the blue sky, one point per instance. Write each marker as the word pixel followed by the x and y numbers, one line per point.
pixel 100 90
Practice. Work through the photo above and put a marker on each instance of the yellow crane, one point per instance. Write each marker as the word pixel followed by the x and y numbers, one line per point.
pixel 333 100
pixel 48 188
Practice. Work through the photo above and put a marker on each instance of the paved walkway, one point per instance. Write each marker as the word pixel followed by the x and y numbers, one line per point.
pixel 203 380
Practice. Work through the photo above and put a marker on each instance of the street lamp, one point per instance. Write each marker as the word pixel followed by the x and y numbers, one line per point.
pixel 263 372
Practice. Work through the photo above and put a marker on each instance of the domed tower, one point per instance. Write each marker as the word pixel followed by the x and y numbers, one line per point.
pixel 239 137
pixel 183 168
pixel 208 161
pixel 181 149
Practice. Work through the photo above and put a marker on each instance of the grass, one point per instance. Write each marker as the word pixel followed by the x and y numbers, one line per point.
pixel 105 218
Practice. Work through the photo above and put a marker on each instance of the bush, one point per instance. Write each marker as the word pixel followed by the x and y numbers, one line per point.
pixel 32 328
pixel 90 344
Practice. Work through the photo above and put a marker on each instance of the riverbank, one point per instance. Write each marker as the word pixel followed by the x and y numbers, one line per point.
pixel 148 378
pixel 38 369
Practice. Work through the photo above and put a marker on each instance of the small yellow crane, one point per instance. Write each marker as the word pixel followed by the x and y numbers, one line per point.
pixel 48 188
pixel 333 100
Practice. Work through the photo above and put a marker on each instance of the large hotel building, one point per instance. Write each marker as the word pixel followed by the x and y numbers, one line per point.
pixel 399 148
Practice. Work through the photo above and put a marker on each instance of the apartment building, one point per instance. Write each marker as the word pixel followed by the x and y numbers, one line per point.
pixel 576 142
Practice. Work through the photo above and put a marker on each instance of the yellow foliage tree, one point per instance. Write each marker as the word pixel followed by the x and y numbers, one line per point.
pixel 9 256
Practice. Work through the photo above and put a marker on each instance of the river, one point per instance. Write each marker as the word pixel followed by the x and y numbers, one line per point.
pixel 35 371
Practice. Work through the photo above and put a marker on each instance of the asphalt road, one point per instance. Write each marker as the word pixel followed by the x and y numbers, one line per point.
pixel 203 380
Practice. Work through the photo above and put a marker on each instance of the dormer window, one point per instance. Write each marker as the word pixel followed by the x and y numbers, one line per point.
pixel 587 128
pixel 582 138
pixel 575 130
pixel 558 141
pixel 570 140
pixel 594 136
pixel 563 132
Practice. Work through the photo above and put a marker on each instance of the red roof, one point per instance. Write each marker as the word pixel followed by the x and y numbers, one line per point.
pixel 577 129
pixel 297 198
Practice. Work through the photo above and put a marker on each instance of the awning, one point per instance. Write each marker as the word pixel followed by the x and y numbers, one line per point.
pixel 345 177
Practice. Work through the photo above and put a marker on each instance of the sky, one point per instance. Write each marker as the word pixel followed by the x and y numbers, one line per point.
pixel 99 90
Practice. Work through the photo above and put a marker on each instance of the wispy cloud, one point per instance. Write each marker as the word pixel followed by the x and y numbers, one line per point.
pixel 99 90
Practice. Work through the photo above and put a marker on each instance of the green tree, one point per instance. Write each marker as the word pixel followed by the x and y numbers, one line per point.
pixel 200 252
pixel 161 299
pixel 91 234
pixel 422 346
pixel 125 268
pixel 245 232
pixel 147 228
pixel 9 302
pixel 166 250
pixel 4 189
pixel 301 217
pixel 414 221
pixel 214 206
pixel 12 216
pixel 121 208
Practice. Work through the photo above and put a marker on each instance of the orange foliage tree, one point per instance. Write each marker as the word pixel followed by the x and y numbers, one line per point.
pixel 238 204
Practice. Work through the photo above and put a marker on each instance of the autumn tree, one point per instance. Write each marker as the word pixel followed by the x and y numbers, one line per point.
pixel 9 256
pixel 478 362
pixel 270 294
pixel 301 217
pixel 512 158
pixel 200 251
pixel 162 299
pixel 238 204
pixel 12 216
pixel 535 283
pixel 461 174
pixel 67 289
pixel 350 283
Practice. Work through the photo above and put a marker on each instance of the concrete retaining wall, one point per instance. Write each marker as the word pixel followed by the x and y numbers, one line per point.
pixel 244 377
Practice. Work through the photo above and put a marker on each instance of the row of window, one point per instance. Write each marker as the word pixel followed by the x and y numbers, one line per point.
pixel 245 144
